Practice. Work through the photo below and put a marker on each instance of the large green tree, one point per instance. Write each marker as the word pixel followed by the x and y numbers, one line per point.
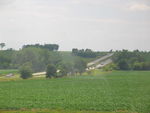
pixel 6 57
pixel 2 45
pixel 51 71
pixel 39 58
pixel 79 66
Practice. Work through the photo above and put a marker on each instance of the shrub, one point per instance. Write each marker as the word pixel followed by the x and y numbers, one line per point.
pixel 63 70
pixel 141 66
pixel 138 66
pixel 110 67
pixel 26 71
pixel 123 65
pixel 146 66
pixel 51 71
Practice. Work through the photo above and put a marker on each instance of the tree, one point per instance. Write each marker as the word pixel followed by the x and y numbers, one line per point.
pixel 123 65
pixel 65 68
pixel 32 55
pixel 128 60
pixel 87 53
pixel 51 71
pixel 138 66
pixel 39 58
pixel 26 71
pixel 6 59
pixel 50 47
pixel 80 66
pixel 75 51
pixel 62 69
pixel 141 66
pixel 2 45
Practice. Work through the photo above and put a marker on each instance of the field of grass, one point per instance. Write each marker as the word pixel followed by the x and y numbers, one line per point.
pixel 68 57
pixel 106 92
pixel 4 72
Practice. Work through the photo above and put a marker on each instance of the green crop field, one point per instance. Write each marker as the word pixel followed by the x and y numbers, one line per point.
pixel 108 92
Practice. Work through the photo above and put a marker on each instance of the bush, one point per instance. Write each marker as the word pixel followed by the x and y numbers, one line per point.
pixel 26 71
pixel 146 66
pixel 51 71
pixel 123 65
pixel 141 66
pixel 138 66
pixel 110 67
pixel 63 70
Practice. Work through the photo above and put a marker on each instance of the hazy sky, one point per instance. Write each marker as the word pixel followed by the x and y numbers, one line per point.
pixel 95 24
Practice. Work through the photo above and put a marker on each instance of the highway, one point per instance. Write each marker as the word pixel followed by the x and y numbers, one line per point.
pixel 101 62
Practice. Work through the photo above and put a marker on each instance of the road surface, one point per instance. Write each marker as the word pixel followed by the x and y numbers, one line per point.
pixel 101 62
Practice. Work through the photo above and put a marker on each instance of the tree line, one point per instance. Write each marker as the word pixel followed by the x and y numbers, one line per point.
pixel 132 60
pixel 86 53
pixel 50 47
pixel 38 55
pixel 38 58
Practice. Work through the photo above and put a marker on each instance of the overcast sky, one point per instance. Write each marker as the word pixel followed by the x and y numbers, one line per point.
pixel 96 24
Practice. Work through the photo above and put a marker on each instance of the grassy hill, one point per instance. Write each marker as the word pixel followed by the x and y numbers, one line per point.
pixel 68 57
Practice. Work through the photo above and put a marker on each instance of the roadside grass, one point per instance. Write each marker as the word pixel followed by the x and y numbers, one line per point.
pixel 119 91
pixel 8 71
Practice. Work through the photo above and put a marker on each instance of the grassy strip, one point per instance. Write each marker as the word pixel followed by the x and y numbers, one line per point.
pixel 4 72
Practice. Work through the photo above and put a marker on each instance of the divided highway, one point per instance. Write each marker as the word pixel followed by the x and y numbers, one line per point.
pixel 96 64
pixel 101 62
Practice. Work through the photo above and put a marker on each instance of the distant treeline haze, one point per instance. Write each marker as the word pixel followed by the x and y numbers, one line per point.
pixel 39 56
pixel 132 60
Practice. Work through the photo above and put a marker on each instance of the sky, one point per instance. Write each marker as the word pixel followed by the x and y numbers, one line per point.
pixel 100 25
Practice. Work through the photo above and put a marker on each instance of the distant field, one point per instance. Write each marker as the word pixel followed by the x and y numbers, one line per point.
pixel 124 91
pixel 4 72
